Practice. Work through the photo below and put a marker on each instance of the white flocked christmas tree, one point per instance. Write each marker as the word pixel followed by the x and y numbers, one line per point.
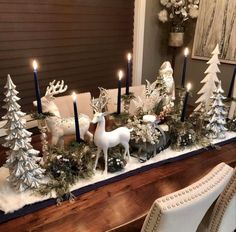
pixel 217 115
pixel 25 172
pixel 209 81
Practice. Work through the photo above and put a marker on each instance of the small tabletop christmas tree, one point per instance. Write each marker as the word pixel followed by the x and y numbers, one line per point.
pixel 217 115
pixel 22 159
pixel 209 81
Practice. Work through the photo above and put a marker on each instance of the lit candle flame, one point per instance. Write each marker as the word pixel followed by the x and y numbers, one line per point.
pixel 74 96
pixel 189 86
pixel 120 74
pixel 129 56
pixel 186 51
pixel 35 65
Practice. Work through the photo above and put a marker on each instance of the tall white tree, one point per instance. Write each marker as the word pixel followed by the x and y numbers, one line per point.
pixel 25 172
pixel 209 81
pixel 217 115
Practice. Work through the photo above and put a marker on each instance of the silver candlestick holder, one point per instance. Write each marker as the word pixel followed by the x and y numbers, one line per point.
pixel 126 99
pixel 181 95
pixel 43 136
pixel 126 106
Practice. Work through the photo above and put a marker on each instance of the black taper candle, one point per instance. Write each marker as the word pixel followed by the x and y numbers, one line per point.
pixel 184 68
pixel 232 84
pixel 37 89
pixel 119 93
pixel 128 73
pixel 185 103
pixel 77 131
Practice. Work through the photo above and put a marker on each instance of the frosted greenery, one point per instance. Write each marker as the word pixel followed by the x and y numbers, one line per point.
pixel 217 115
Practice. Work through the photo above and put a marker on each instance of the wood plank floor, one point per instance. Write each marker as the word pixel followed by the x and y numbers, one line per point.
pixel 120 202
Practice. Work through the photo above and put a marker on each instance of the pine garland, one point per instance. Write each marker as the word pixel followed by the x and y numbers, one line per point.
pixel 44 115
pixel 182 134
pixel 119 119
pixel 158 108
pixel 128 97
pixel 65 167
pixel 231 125
pixel 116 161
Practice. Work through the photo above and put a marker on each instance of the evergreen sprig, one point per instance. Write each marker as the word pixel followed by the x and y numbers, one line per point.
pixel 158 108
pixel 44 115
pixel 65 167
pixel 187 134
pixel 128 97
pixel 231 125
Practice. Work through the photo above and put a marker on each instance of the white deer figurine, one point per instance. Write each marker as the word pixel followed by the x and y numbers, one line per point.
pixel 104 140
pixel 58 126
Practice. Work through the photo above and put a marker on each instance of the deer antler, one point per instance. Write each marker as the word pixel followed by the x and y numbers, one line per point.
pixel 100 103
pixel 104 97
pixel 54 89
pixel 94 105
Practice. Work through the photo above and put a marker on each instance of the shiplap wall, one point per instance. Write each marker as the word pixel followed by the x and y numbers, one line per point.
pixel 83 42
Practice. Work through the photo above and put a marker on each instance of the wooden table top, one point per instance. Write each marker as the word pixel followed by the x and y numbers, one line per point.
pixel 122 201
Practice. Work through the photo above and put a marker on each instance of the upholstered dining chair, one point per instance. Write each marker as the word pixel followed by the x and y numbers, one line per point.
pixel 183 210
pixel 223 217
pixel 112 104
pixel 65 105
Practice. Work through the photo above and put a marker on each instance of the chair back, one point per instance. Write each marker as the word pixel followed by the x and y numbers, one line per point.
pixel 183 210
pixel 112 104
pixel 65 105
pixel 223 218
